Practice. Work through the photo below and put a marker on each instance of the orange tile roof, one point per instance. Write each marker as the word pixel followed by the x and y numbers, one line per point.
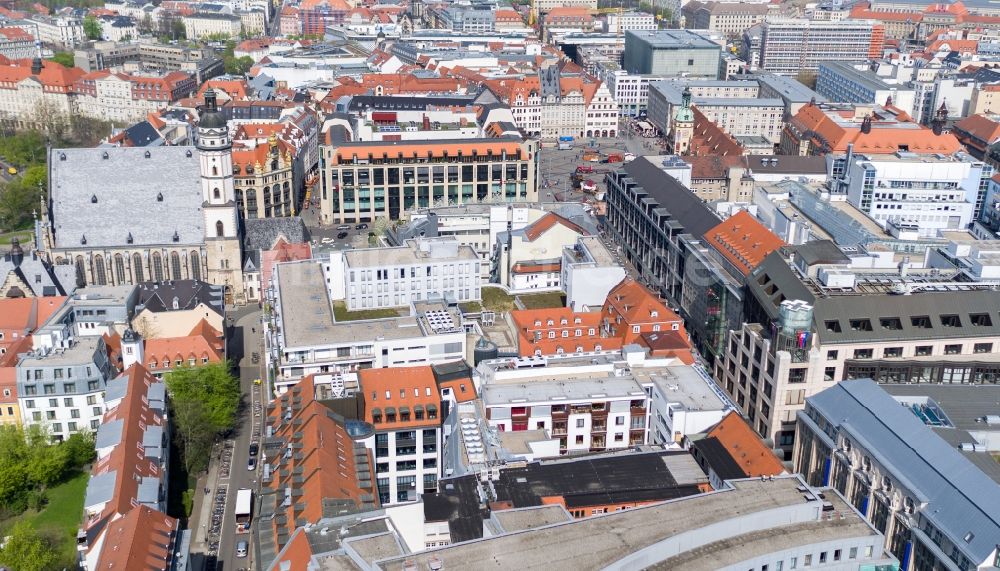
pixel 296 554
pixel 888 132
pixel 53 75
pixel 234 89
pixel 745 447
pixel 710 139
pixel 142 539
pixel 671 344
pixel 325 465
pixel 396 388
pixel 17 313
pixel 534 230
pixel 282 252
pixel 464 390
pixel 977 131
pixel 344 154
pixel 966 46
pixel 15 34
pixel 123 460
pixel 203 343
pixel 743 240
pixel 636 304
pixel 534 332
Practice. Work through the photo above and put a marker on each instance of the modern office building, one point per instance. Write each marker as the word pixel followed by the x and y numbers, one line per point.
pixel 816 314
pixel 422 269
pixel 917 196
pixel 845 83
pixel 671 53
pixel 365 180
pixel 936 509
pixel 789 46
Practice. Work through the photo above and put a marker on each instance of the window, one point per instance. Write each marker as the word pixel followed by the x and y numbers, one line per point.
pixel 50 414
pixel 831 355
pixel 580 422
pixel 808 561
pixel 980 320
pixel 923 351
pixel 921 322
pixel 829 374
pixel 836 554
pixel 952 349
pixel 635 329
pixel 853 554
pixel 951 320
pixel 890 352
pixel 619 421
pixel 861 325
pixel 862 353
pixel 892 323
pixel 832 326
pixel 982 348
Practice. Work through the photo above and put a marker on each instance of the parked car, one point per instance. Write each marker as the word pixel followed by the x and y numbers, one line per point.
pixel 361 227
pixel 344 227
pixel 254 448
pixel 241 548
pixel 251 464
pixel 341 235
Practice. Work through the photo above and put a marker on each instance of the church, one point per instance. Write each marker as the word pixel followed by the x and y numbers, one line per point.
pixel 126 215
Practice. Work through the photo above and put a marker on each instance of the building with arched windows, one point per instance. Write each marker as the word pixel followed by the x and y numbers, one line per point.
pixel 126 215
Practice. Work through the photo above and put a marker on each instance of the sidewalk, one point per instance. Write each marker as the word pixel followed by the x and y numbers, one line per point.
pixel 201 512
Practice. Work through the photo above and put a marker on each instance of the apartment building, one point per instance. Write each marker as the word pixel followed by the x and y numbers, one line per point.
pixel 843 82
pixel 124 509
pixel 33 92
pixel 423 269
pixel 302 337
pixel 544 6
pixel 587 412
pixel 588 272
pixel 731 450
pixel 630 90
pixel 63 31
pixel 474 225
pixel 729 18
pixel 615 23
pixel 129 97
pixel 529 258
pixel 822 316
pixel 266 179
pixel 16 43
pixel 788 46
pixel 363 181
pixel 895 464
pixel 671 53
pixel 404 406
pixel 200 25
pixel 919 196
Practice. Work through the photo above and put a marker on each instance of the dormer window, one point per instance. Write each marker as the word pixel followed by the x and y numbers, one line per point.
pixel 129 238
pixel 159 197
pixel 93 199
pixel 147 154
pixel 104 155
pixel 177 237
pixel 83 240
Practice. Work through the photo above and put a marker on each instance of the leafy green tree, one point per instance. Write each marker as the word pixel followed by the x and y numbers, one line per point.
pixel 80 448
pixel 237 65
pixel 92 27
pixel 25 550
pixel 64 59
pixel 204 401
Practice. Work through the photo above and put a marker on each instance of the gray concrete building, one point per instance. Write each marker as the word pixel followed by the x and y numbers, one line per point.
pixel 671 53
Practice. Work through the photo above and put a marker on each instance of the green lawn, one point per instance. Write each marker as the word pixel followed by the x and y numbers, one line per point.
pixel 496 299
pixel 61 517
pixel 25 236
pixel 543 300
pixel 340 313
pixel 470 307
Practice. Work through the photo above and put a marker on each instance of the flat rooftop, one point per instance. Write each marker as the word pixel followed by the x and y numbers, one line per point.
pixel 597 251
pixel 673 39
pixel 728 552
pixel 964 405
pixel 80 352
pixel 587 544
pixel 683 385
pixel 411 253
pixel 568 388
pixel 531 518
pixel 307 315
pixel 864 78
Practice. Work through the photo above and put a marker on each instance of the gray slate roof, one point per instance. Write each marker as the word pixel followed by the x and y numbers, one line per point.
pixel 262 233
pixel 42 279
pixel 670 195
pixel 160 296
pixel 960 498
pixel 127 187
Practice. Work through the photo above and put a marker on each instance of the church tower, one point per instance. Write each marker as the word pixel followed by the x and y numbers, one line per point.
pixel 222 229
pixel 683 127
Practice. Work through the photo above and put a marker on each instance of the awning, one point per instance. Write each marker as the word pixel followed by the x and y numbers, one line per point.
pixel 418 408
pixel 376 412
pixel 404 410
pixel 390 411
pixel 432 408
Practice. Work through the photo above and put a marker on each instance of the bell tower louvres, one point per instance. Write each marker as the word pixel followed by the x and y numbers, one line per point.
pixel 222 230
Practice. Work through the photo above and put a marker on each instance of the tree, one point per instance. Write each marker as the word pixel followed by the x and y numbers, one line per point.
pixel 204 401
pixel 92 27
pixel 238 65
pixel 64 59
pixel 25 550
pixel 146 24
pixel 80 448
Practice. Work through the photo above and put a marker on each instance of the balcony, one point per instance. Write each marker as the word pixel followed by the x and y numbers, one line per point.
pixel 599 428
pixel 559 431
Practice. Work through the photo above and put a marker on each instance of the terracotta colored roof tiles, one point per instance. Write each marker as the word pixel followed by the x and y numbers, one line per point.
pixel 743 241
pixel 534 230
pixel 745 447
pixel 141 539
pixel 396 388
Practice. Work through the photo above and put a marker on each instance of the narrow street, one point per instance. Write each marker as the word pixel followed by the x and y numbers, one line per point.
pixel 228 471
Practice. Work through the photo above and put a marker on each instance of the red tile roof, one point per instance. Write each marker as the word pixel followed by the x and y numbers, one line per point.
pixel 551 331
pixel 396 388
pixel 888 132
pixel 977 132
pixel 743 241
pixel 54 76
pixel 143 539
pixel 203 345
pixel 535 230
pixel 746 447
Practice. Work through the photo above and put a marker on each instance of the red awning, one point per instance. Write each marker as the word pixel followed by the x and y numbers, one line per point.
pixel 384 116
